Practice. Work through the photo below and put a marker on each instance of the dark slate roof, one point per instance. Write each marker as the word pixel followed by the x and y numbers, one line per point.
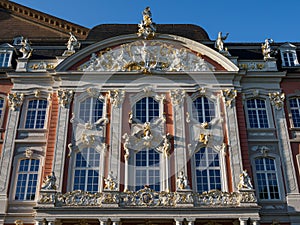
pixel 104 31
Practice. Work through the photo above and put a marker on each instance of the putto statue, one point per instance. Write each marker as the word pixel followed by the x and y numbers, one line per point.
pixel 110 182
pixel 245 181
pixel 26 49
pixel 147 28
pixel 50 182
pixel 219 44
pixel 182 182
pixel 72 44
pixel 266 49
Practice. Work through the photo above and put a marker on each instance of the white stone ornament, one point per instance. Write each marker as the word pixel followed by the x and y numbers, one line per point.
pixel 245 181
pixel 147 56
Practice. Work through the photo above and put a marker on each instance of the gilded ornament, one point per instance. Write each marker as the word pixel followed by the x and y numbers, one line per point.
pixel 15 100
pixel 147 28
pixel 277 99
pixel 229 96
pixel 65 97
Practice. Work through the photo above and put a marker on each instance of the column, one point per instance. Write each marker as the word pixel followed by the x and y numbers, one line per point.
pixel 178 221
pixel 180 154
pixel 103 221
pixel 243 221
pixel 15 102
pixel 116 98
pixel 115 221
pixel 190 221
pixel 65 97
pixel 255 222
pixel 233 135
pixel 277 100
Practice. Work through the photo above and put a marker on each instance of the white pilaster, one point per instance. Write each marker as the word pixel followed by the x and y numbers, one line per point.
pixel 61 145
pixel 7 156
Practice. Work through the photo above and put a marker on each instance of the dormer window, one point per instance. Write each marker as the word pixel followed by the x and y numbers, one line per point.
pixel 288 55
pixel 6 51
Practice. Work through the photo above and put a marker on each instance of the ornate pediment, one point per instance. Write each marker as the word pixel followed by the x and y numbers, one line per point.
pixel 147 56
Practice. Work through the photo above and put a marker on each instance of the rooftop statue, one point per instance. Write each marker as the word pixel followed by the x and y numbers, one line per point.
pixel 219 44
pixel 266 49
pixel 72 44
pixel 147 28
pixel 26 49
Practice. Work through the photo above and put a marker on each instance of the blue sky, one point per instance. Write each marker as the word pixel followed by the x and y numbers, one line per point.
pixel 246 21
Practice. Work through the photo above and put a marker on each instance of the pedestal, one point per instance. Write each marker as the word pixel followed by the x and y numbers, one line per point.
pixel 184 198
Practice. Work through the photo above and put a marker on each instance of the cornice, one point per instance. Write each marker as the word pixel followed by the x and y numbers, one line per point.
pixel 45 19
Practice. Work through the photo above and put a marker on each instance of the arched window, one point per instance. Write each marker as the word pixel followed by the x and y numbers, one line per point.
pixel 147 169
pixel 36 114
pixel 146 109
pixel 203 109
pixel 208 171
pixel 295 111
pixel 27 179
pixel 87 170
pixel 257 113
pixel 266 178
pixel 91 109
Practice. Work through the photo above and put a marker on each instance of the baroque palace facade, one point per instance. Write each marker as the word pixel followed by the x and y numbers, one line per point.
pixel 144 124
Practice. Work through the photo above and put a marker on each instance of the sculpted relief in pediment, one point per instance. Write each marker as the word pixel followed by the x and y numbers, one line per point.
pixel 147 56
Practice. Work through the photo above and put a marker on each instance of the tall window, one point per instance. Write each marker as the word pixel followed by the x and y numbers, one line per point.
pixel 86 173
pixel 208 172
pixel 288 59
pixel 204 109
pixel 295 110
pixel 147 170
pixel 36 114
pixel 1 110
pixel 257 113
pixel 146 109
pixel 266 175
pixel 27 179
pixel 91 109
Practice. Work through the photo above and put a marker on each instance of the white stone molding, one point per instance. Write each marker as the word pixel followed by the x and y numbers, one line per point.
pixel 15 100
pixel 277 99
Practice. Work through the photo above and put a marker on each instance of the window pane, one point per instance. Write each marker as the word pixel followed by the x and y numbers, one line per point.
pixel 266 176
pixel 146 109
pixel 86 174
pixel 147 170
pixel 91 110
pixel 208 171
pixel 257 113
pixel 203 109
pixel 295 110
pixel 36 114
pixel 27 179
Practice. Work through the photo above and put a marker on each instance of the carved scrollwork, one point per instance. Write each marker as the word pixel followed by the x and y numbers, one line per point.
pixel 229 96
pixel 116 97
pixel 277 99
pixel 148 57
pixel 177 96
pixel 15 100
pixel 147 197
pixel 65 97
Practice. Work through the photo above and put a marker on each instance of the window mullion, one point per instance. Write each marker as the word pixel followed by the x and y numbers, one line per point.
pixel 147 109
pixel 203 110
